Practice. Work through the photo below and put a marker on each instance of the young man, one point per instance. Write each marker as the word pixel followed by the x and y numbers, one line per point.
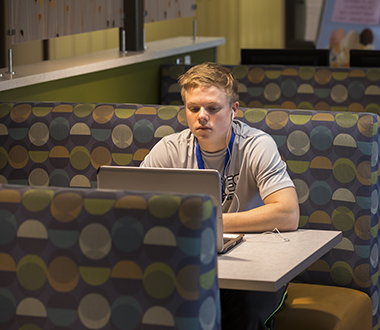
pixel 258 194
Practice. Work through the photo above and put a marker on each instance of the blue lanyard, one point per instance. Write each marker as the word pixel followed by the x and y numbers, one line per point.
pixel 201 164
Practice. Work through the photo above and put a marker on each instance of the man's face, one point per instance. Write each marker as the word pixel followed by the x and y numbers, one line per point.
pixel 209 116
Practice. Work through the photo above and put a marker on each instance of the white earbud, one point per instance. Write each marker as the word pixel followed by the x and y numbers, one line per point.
pixel 233 115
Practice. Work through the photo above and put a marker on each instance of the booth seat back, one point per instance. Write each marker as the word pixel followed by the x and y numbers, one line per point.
pixel 333 160
pixel 293 87
pixel 63 144
pixel 92 259
pixel 332 157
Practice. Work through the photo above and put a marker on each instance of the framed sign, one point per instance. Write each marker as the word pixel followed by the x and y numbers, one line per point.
pixel 346 25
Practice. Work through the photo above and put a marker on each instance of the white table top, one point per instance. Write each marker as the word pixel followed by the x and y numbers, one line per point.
pixel 108 59
pixel 265 262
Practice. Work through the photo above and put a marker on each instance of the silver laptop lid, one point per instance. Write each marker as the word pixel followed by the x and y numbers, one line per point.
pixel 193 181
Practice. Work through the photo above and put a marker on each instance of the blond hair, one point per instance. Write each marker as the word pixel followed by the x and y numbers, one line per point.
pixel 210 74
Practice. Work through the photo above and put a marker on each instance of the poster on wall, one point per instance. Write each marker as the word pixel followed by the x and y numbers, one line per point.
pixel 346 25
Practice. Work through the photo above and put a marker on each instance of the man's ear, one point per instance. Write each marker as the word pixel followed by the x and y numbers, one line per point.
pixel 235 109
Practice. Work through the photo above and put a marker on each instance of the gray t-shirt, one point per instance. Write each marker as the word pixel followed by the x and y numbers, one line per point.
pixel 255 170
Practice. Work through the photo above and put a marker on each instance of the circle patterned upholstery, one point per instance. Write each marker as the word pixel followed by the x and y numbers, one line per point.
pixel 64 144
pixel 332 157
pixel 292 87
pixel 88 259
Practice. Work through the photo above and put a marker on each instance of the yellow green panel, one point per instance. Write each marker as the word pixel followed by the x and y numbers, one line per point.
pixel 122 159
pixel 375 278
pixel 374 231
pixel 5 108
pixel 167 112
pixel 96 206
pixel 35 200
pixel 306 73
pixel 31 272
pixel 124 113
pixel 84 109
pixel 240 71
pixel 3 157
pixel 95 275
pixel 373 74
pixel 303 221
pixel 38 156
pixel 305 106
pixel 320 266
pixel 346 120
pixel 375 127
pixel 41 111
pixel 255 115
pixel 299 119
pixel 297 166
pixel 208 207
pixel 164 206
pixel 273 74
pixel 339 75
pixel 374 176
pixel 207 279
pixel 29 326
pixel 80 157
pixel 372 107
pixel 159 280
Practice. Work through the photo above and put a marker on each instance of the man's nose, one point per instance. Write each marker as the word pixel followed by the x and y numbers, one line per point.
pixel 203 114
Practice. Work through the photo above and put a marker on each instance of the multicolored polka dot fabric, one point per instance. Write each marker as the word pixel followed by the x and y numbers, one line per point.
pixel 318 88
pixel 89 259
pixel 333 158
pixel 57 144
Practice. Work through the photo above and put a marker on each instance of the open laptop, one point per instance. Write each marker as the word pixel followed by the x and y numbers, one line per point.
pixel 171 180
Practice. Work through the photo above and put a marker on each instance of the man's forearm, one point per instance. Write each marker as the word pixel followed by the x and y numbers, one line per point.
pixel 280 211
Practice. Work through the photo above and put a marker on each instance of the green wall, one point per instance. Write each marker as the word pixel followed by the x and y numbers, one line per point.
pixel 137 83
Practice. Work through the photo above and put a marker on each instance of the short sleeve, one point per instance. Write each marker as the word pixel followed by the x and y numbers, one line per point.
pixel 269 170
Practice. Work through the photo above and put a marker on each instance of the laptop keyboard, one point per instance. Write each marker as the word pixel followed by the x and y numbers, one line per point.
pixel 226 239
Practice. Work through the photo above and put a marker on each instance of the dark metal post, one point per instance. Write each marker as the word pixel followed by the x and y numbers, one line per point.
pixel 3 42
pixel 45 50
pixel 131 37
pixel 11 32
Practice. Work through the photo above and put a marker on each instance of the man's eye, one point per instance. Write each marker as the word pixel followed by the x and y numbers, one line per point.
pixel 192 109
